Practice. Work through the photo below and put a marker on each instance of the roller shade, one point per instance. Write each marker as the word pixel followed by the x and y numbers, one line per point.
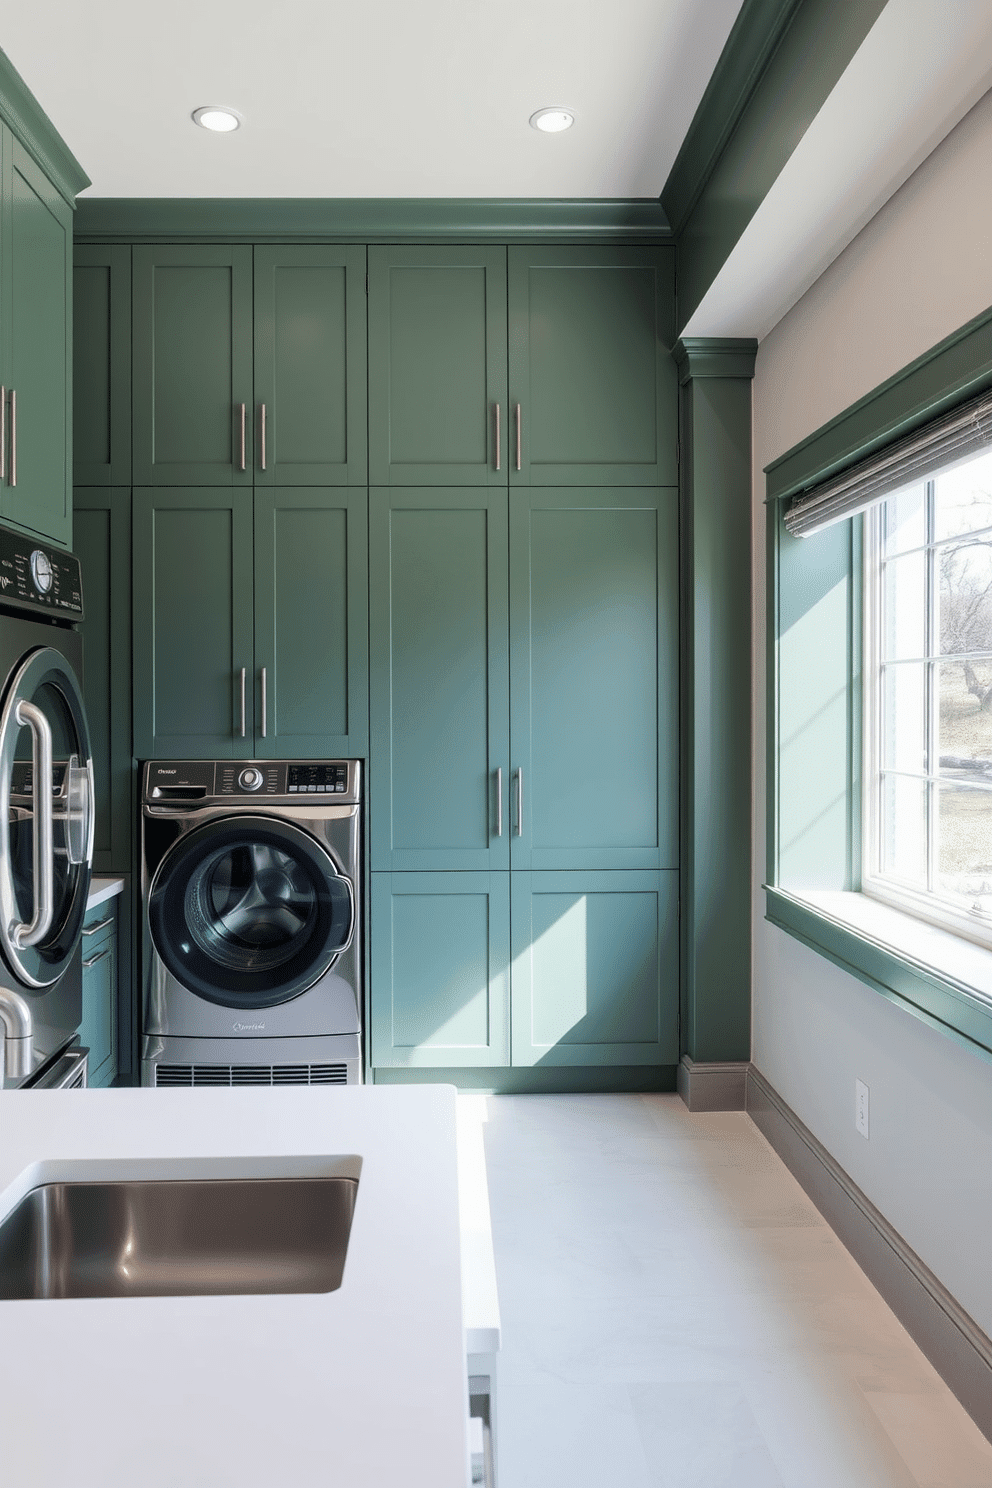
pixel 953 437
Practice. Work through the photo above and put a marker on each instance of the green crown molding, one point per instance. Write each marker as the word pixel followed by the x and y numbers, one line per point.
pixel 22 113
pixel 752 42
pixel 371 219
pixel 957 368
pixel 794 66
pixel 714 356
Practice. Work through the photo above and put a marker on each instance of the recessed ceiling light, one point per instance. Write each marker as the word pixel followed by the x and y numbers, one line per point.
pixel 214 116
pixel 552 120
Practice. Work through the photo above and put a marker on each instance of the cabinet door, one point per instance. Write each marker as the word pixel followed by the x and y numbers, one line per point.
pixel 101 366
pixel 102 541
pixel 36 493
pixel 589 331
pixel 440 967
pixel 437 366
pixel 97 1029
pixel 192 590
pixel 595 968
pixel 594 677
pixel 311 623
pixel 192 365
pixel 439 679
pixel 310 377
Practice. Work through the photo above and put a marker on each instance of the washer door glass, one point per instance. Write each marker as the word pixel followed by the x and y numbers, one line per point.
pixel 249 912
pixel 45 872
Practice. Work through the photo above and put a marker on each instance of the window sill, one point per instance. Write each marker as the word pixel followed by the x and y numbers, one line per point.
pixel 936 975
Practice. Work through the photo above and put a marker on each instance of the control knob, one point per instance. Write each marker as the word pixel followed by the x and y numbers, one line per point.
pixel 41 571
pixel 250 779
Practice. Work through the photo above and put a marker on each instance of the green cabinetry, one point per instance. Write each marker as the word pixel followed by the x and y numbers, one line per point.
pixel 249 622
pixel 101 366
pixel 98 1030
pixel 102 540
pixel 249 365
pixel 35 346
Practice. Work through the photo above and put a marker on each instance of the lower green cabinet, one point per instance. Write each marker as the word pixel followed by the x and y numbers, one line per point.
pixel 583 966
pixel 97 1031
pixel 595 968
pixel 440 958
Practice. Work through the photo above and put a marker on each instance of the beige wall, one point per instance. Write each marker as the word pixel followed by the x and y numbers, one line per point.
pixel 917 271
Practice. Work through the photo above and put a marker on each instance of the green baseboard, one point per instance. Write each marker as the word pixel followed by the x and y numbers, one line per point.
pixel 580 1080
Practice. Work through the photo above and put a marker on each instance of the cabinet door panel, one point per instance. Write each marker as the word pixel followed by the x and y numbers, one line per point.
pixel 192 622
pixel 437 366
pixel 102 541
pixel 595 968
pixel 589 330
pixel 439 682
pixel 192 365
pixel 101 377
pixel 310 365
pixel 97 1029
pixel 39 247
pixel 440 958
pixel 594 667
pixel 311 622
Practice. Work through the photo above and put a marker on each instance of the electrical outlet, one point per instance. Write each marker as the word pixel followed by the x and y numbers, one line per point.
pixel 861 1107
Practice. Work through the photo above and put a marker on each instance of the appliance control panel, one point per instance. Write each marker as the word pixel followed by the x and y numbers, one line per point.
pixel 38 578
pixel 190 781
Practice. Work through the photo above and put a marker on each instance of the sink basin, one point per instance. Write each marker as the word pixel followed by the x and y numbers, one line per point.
pixel 177 1238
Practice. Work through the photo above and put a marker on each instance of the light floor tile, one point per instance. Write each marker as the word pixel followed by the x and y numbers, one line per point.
pixel 676 1311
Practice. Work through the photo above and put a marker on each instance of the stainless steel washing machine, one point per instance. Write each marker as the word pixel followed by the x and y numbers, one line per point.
pixel 251 908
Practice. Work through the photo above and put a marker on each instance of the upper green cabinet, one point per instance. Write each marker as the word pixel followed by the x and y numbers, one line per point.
pixel 437 366
pixel 101 366
pixel 250 623
pixel 592 384
pixel 310 382
pixel 249 365
pixel 35 346
pixel 541 366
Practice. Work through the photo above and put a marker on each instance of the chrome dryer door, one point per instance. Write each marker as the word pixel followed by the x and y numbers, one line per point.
pixel 46 798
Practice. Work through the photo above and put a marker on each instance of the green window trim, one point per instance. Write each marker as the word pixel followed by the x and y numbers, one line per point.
pixel 950 372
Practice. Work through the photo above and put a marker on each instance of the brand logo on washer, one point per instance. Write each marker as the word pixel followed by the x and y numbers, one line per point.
pixel 248 1027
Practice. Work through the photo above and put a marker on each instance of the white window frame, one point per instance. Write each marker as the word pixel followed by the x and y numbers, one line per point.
pixel 927 905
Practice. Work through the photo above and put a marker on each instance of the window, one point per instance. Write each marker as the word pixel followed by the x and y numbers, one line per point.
pixel 927 822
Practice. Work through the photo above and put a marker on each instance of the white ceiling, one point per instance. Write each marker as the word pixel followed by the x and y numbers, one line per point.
pixel 917 73
pixel 402 98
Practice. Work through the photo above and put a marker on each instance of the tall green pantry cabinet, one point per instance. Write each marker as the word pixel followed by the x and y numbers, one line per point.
pixel 523 602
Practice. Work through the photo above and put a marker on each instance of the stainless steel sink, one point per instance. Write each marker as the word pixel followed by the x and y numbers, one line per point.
pixel 177 1238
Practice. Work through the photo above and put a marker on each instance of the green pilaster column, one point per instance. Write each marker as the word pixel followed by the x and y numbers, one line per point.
pixel 715 505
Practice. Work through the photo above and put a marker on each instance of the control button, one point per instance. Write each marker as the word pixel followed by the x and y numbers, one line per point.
pixel 250 779
pixel 41 571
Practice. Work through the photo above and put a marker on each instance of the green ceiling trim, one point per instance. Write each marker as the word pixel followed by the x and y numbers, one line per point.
pixel 756 33
pixel 714 356
pixel 370 219
pixel 779 80
pixel 23 114
pixel 957 368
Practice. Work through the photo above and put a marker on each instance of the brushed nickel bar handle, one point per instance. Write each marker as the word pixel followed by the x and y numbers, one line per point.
pixel 264 700
pixel 94 959
pixel 520 803
pixel 262 432
pixel 499 799
pixel 242 702
pixel 3 434
pixel 519 420
pixel 100 925
pixel 498 441
pixel 244 417
pixel 13 436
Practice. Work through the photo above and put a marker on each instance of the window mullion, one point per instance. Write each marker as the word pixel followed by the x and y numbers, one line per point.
pixel 930 690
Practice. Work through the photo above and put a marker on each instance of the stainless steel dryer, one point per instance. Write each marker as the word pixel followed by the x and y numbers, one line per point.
pixel 250 883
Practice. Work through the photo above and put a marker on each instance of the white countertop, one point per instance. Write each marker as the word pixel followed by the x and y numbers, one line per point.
pixel 103 888
pixel 362 1386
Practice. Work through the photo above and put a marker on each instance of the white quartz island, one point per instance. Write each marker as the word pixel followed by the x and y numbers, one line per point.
pixel 365 1385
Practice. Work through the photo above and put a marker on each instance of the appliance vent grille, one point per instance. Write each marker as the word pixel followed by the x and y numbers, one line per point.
pixel 185 1075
